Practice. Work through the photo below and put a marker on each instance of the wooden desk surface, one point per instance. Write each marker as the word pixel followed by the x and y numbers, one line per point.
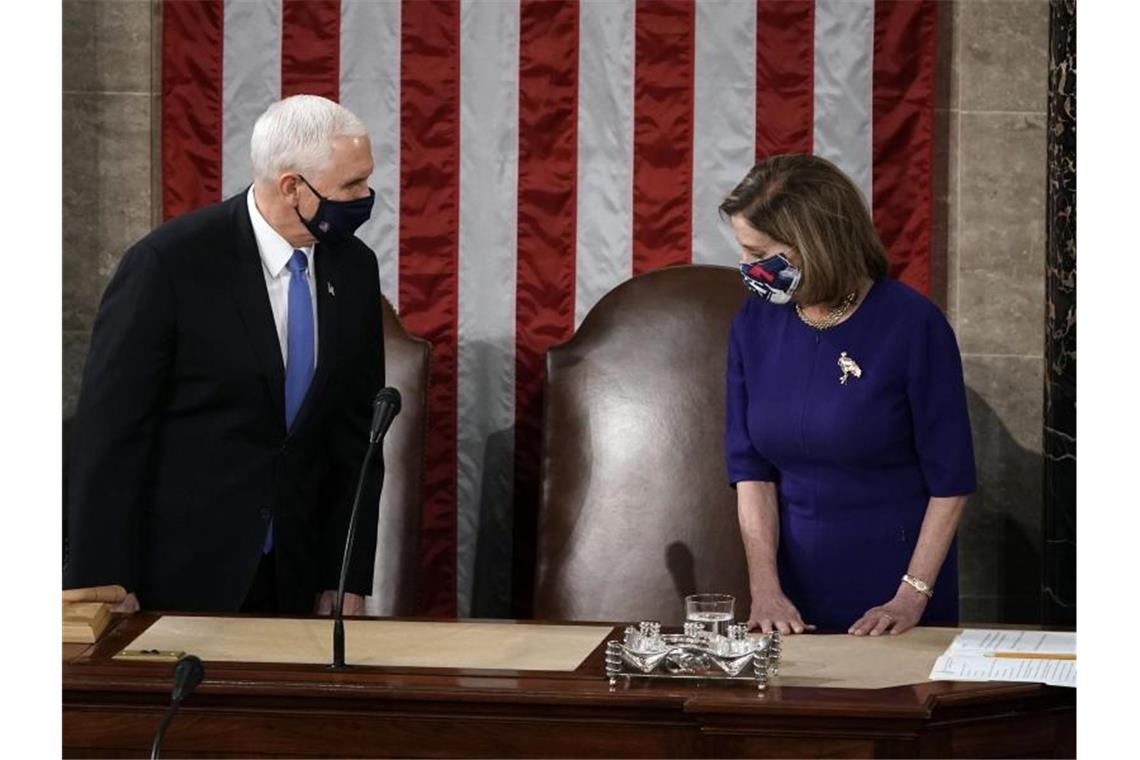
pixel 111 708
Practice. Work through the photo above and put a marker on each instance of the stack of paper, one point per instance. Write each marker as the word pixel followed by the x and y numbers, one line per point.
pixel 1022 656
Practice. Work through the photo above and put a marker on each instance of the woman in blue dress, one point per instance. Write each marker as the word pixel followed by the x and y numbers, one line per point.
pixel 847 435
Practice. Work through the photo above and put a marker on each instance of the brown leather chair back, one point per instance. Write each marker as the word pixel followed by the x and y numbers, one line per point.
pixel 636 508
pixel 407 361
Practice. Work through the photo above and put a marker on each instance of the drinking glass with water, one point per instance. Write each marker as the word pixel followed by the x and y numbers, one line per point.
pixel 713 612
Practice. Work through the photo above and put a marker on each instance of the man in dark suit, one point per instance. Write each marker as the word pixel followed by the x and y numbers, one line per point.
pixel 226 399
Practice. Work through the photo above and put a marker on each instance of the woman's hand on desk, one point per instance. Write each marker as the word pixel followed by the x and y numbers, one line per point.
pixel 896 616
pixel 776 612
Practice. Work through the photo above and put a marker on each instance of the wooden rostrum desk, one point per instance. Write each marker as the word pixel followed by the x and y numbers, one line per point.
pixel 111 708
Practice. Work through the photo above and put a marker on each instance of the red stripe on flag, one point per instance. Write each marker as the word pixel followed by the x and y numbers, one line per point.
pixel 191 105
pixel 547 223
pixel 902 135
pixel 310 48
pixel 429 253
pixel 663 134
pixel 785 77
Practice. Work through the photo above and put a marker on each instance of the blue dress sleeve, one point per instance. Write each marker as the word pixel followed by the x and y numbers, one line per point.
pixel 742 460
pixel 936 392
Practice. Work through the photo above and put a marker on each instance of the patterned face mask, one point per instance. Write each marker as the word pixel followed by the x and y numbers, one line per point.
pixel 773 279
pixel 337 221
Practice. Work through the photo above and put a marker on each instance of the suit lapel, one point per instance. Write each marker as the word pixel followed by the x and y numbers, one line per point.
pixel 252 300
pixel 327 316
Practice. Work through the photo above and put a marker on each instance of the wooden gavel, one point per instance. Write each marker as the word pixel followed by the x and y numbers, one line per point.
pixel 108 594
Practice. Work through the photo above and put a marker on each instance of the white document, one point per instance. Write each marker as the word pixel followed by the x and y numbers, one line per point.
pixel 974 656
pixel 1028 642
pixel 979 667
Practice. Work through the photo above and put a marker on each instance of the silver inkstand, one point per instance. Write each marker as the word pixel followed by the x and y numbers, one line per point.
pixel 695 654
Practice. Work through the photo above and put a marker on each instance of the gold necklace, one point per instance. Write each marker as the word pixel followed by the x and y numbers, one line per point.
pixel 832 317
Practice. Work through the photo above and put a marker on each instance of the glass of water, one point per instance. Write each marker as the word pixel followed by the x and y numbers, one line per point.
pixel 714 612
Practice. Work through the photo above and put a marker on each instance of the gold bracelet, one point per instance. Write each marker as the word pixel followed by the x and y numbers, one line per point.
pixel 919 585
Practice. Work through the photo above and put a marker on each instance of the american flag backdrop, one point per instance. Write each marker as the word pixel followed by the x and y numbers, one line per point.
pixel 531 155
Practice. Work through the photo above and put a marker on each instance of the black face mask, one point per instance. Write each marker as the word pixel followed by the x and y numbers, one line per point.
pixel 336 221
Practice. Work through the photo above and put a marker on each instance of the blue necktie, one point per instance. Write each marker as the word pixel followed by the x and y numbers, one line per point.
pixel 299 364
pixel 299 367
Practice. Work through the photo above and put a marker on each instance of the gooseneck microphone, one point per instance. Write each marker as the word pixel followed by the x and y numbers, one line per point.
pixel 385 407
pixel 188 673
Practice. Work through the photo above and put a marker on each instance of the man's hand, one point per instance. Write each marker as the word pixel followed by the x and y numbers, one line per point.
pixel 776 613
pixel 896 616
pixel 130 604
pixel 353 603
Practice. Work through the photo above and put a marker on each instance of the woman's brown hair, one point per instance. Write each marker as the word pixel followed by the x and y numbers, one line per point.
pixel 807 203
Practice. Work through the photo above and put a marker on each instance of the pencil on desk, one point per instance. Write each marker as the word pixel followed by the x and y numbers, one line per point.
pixel 1030 656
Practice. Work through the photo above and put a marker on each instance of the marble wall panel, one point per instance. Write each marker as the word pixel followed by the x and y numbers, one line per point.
pixel 109 98
pixel 1060 445
pixel 1001 233
pixel 1002 46
pixel 995 242
pixel 106 45
pixel 106 193
pixel 1000 545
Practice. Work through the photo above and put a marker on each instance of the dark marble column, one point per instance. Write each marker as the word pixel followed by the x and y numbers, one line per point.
pixel 1059 571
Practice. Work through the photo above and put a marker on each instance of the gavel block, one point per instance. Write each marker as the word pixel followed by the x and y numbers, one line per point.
pixel 87 612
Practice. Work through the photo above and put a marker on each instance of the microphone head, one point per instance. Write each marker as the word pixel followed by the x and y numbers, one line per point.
pixel 188 673
pixel 390 397
pixel 385 407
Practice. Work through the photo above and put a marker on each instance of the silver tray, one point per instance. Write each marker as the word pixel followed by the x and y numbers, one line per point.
pixel 694 655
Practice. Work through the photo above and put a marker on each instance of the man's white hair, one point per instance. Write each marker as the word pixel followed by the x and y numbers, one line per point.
pixel 296 134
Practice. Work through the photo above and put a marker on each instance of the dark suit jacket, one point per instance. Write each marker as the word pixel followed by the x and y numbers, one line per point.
pixel 180 455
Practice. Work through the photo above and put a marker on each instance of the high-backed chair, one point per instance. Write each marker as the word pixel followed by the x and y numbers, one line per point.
pixel 407 360
pixel 636 510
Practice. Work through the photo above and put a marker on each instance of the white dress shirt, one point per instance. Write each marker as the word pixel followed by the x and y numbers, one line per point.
pixel 275 254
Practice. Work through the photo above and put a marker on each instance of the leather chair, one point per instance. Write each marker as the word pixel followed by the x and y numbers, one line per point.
pixel 407 360
pixel 636 511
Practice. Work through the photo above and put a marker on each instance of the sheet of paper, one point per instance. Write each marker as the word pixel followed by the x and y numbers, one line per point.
pixel 1029 642
pixel 387 643
pixel 862 662
pixel 984 655
pixel 979 667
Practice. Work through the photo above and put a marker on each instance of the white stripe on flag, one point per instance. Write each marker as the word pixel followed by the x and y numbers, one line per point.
pixel 844 41
pixel 251 81
pixel 488 229
pixel 370 88
pixel 724 119
pixel 604 245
